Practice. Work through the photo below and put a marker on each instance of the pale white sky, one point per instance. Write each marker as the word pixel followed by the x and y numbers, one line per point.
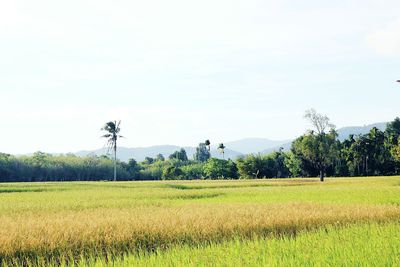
pixel 178 72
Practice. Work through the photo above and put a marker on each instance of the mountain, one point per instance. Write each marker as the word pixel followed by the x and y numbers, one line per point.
pixel 285 146
pixel 140 153
pixel 343 133
pixel 233 149
pixel 254 145
pixel 229 154
pixel 346 131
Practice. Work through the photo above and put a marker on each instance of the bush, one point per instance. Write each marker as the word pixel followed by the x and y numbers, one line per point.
pixel 219 168
pixel 193 171
pixel 263 166
pixel 172 173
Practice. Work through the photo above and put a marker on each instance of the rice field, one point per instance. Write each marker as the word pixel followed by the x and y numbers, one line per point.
pixel 356 245
pixel 276 222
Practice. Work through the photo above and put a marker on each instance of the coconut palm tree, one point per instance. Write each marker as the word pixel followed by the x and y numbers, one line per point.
pixel 112 128
pixel 221 147
pixel 208 144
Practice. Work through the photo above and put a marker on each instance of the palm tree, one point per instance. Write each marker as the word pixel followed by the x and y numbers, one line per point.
pixel 221 147
pixel 208 144
pixel 112 128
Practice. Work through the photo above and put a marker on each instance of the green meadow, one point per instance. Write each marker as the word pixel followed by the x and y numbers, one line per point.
pixel 271 222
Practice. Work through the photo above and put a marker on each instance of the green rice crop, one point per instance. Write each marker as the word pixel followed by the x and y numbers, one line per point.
pixel 369 244
pixel 74 222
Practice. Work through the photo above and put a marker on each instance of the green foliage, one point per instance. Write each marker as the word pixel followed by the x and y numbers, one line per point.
pixel 317 151
pixel 392 132
pixel 280 168
pixel 133 168
pixel 160 157
pixel 152 170
pixel 202 152
pixel 293 164
pixel 172 173
pixel 45 167
pixel 179 155
pixel 313 154
pixel 251 166
pixel 148 160
pixel 193 171
pixel 369 154
pixel 218 168
pixel 395 151
pixel 263 166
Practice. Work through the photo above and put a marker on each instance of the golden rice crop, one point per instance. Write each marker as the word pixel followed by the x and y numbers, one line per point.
pixel 98 219
pixel 121 231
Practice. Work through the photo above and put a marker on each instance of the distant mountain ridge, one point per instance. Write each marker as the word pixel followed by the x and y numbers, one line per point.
pixel 254 145
pixel 233 149
pixel 346 131
pixel 343 133
pixel 140 153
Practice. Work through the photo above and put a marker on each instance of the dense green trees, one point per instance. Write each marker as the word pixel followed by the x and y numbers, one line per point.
pixel 172 173
pixel 193 170
pixel 293 164
pixel 133 168
pixel 263 166
pixel 219 168
pixel 203 152
pixel 392 142
pixel 316 153
pixel 317 148
pixel 45 167
pixel 369 154
pixel 179 155
pixel 392 132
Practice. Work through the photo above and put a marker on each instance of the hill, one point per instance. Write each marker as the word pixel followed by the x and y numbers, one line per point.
pixel 233 149
pixel 346 131
pixel 343 133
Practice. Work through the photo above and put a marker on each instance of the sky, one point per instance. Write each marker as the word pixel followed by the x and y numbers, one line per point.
pixel 179 71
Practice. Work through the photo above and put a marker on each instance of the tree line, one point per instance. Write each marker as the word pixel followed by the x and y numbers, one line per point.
pixel 316 153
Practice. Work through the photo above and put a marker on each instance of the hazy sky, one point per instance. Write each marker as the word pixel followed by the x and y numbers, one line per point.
pixel 178 72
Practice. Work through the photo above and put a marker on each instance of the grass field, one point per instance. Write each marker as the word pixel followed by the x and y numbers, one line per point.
pixel 353 221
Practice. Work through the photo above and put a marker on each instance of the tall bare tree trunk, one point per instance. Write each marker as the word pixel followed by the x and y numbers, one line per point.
pixel 115 163
pixel 321 175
